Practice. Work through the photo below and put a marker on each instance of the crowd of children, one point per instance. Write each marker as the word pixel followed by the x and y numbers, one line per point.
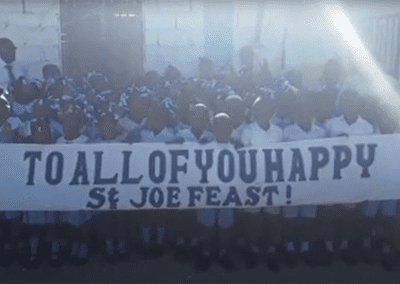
pixel 245 109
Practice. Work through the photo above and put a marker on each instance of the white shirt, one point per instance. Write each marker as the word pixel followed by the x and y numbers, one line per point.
pixel 188 135
pixel 255 136
pixel 361 127
pixel 294 133
pixel 165 135
pixel 316 132
pixel 337 126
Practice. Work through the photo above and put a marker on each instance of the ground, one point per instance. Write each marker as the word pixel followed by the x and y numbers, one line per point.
pixel 165 270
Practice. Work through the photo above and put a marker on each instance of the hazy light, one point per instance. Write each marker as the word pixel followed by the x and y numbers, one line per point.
pixel 366 63
pixel 131 15
pixel 124 15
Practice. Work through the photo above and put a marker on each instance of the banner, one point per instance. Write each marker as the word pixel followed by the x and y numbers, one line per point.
pixel 190 176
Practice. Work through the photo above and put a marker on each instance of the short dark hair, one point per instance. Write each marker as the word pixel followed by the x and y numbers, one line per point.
pixel 6 43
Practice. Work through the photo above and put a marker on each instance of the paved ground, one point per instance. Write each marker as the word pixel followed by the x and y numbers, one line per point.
pixel 167 271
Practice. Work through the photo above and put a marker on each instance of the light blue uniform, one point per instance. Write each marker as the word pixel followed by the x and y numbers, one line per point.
pixel 255 136
pixel 225 217
pixel 295 133
pixel 21 118
pixel 79 217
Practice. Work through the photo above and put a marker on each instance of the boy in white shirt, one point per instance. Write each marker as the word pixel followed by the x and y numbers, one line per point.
pixel 304 129
pixel 23 100
pixel 223 218
pixel 259 134
pixel 199 119
pixel 378 228
pixel 156 130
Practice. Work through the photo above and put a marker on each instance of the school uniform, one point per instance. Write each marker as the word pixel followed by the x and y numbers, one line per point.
pixel 188 135
pixel 165 135
pixel 156 218
pixel 295 133
pixel 75 218
pixel 337 126
pixel 224 218
pixel 22 116
pixel 371 208
pixel 255 136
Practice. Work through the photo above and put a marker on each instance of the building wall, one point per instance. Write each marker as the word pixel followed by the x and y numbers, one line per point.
pixel 174 33
pixel 35 33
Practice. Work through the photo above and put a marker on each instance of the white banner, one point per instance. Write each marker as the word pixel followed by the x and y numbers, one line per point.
pixel 159 176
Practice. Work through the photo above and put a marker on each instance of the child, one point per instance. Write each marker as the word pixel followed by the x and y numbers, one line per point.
pixel 224 218
pixel 381 236
pixel 156 125
pixel 286 98
pixel 8 223
pixel 258 134
pixel 23 100
pixel 305 129
pixel 199 119
pixel 37 221
pixel 50 71
pixel 74 121
pixel 156 129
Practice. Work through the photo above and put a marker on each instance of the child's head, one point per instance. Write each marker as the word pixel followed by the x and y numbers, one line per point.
pixel 286 102
pixel 24 91
pixel 51 71
pixel 304 113
pixel 43 109
pixel 151 78
pixel 57 89
pixel 370 108
pixel 199 118
pixel 321 104
pixel 7 50
pixel 235 108
pixel 157 118
pixel 172 74
pixel 108 126
pixel 98 82
pixel 223 127
pixel 73 119
pixel 351 105
pixel 138 107
pixel 264 108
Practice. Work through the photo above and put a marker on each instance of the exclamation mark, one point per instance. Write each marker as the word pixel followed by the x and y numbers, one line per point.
pixel 288 193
